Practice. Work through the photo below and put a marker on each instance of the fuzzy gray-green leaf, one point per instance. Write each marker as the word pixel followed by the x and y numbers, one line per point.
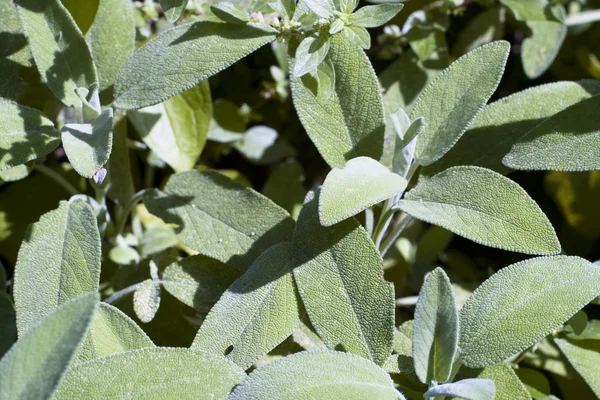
pixel 35 365
pixel 362 182
pixel 59 49
pixel 521 304
pixel 585 358
pixel 256 313
pixel 318 374
pixel 173 9
pixel 183 56
pixel 374 16
pixel 339 274
pixel 454 99
pixel 59 260
pixel 468 389
pixel 485 207
pixel 508 385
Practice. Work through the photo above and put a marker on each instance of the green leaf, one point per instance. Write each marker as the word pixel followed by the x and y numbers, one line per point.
pixel 177 129
pixel 350 122
pixel 198 281
pixel 374 16
pixel 25 134
pixel 173 9
pixel 112 40
pixel 229 12
pixel 347 6
pixel 536 382
pixel 88 146
pixel 285 186
pixel 8 323
pixel 83 12
pixel 318 374
pixel 468 389
pixel 567 141
pixel 358 36
pixel 323 8
pixel 505 121
pixel 120 177
pixel 453 100
pixel 485 207
pixel 362 183
pixel 152 374
pixel 339 274
pixel 59 260
pixel 34 366
pixel 484 28
pixel 310 54
pixel 220 218
pixel 508 385
pixel 183 56
pixel 260 145
pixel 59 49
pixel 258 312
pixel 435 330
pixel 146 300
pixel 521 304
pixel 111 332
pixel 585 358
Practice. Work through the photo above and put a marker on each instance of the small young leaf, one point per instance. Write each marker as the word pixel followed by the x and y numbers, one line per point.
pixel 310 54
pixel 35 365
pixel 508 385
pixel 256 313
pixel 260 145
pixel 170 63
pixel 59 260
pixel 323 8
pixel 358 36
pixel 25 134
pixel 228 12
pixel 158 373
pixel 362 183
pixel 199 281
pixel 347 6
pixel 468 389
pixel 59 49
pixel 173 9
pixel 318 374
pixel 567 141
pixel 585 358
pixel 485 207
pixel 220 218
pixel 374 16
pixel 454 99
pixel 435 330
pixel 521 304
pixel 88 146
pixel 339 274
pixel 146 300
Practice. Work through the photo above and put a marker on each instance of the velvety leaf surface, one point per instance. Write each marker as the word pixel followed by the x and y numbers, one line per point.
pixel 485 207
pixel 25 134
pixel 58 47
pixel 435 330
pixel 318 374
pixel 521 304
pixel 152 374
pixel 362 182
pixel 339 274
pixel 468 389
pixel 59 260
pixel 183 56
pixel 220 218
pixel 256 313
pixel 374 16
pixel 585 358
pixel 35 365
pixel 508 385
pixel 454 99
pixel 146 300
pixel 349 122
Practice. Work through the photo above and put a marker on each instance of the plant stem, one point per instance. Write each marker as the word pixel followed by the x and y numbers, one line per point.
pixel 369 221
pixel 58 178
pixel 127 210
pixel 407 301
pixel 584 17
pixel 395 233
pixel 384 222
pixel 130 289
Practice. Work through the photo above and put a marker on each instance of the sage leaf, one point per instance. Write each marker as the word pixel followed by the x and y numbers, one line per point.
pixel 183 56
pixel 535 381
pixel 177 129
pixel 59 49
pixel 112 40
pixel 310 54
pixel 362 183
pixel 567 141
pixel 260 145
pixel 83 13
pixel 321 374
pixel 435 330
pixel 173 9
pixel 347 6
pixel 220 218
pixel 35 365
pixel 339 274
pixel 374 16
pixel 88 146
pixel 146 300
pixel 323 8
pixel 521 304
pixel 584 357
pixel 120 187
pixel 59 260
pixel 485 207
pixel 256 313
pixel 111 332
pixel 484 28
pixel 507 383
pixel 159 373
pixel 505 121
pixel 198 281
pixel 468 389
pixel 25 134
pixel 285 186
pixel 453 100
pixel 358 36
pixel 229 12
pixel 349 122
